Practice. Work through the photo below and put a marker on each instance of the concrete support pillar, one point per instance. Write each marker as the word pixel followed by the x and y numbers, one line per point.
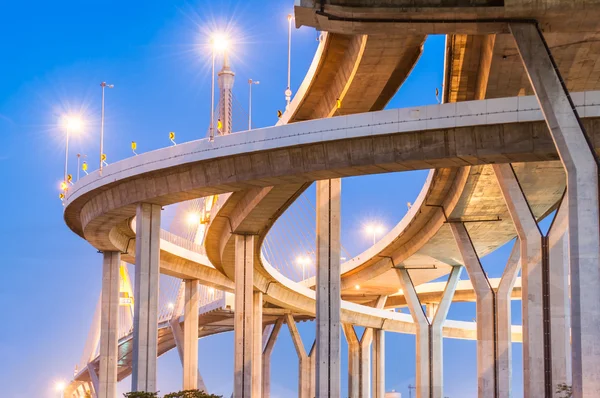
pixel 532 280
pixel 145 317
pixel 558 294
pixel 328 288
pixel 504 323
pixel 312 357
pixel 190 334
pixel 266 359
pixel 95 382
pixel 429 369
pixel 485 304
pixel 243 319
pixel 303 360
pixel 378 364
pixel 581 165
pixel 353 361
pixel 257 344
pixel 109 326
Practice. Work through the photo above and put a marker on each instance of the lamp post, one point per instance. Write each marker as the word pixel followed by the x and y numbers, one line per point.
pixel 103 85
pixel 72 123
pixel 250 83
pixel 303 262
pixel 288 90
pixel 218 43
pixel 60 387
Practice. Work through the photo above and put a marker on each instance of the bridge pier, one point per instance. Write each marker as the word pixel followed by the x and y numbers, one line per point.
pixel 328 294
pixel 266 359
pixel 244 319
pixel 486 321
pixel 145 317
pixel 304 373
pixel 430 350
pixel 109 326
pixel 378 364
pixel 190 334
pixel 581 164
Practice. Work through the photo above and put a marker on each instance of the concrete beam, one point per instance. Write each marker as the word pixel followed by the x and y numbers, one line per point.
pixel 581 164
pixel 109 326
pixel 328 288
pixel 485 303
pixel 266 360
pixel 303 360
pixel 243 318
pixel 190 334
pixel 530 238
pixel 145 317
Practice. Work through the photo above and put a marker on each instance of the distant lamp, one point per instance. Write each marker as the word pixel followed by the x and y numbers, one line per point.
pixel 357 287
pixel 193 218
pixel 303 261
pixel 171 306
pixel 375 230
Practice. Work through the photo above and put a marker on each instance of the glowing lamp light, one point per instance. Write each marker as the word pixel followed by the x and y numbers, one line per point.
pixel 60 386
pixel 193 218
pixel 171 306
pixel 73 123
pixel 357 287
pixel 374 229
pixel 219 42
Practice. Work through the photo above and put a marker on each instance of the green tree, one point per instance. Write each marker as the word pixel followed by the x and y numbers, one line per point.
pixel 192 394
pixel 140 394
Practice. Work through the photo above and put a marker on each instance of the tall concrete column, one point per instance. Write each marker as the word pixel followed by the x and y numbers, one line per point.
pixel 303 360
pixel 485 304
pixel 243 318
pixel 581 164
pixel 353 361
pixel 504 323
pixel 190 334
pixel 266 359
pixel 530 237
pixel 558 294
pixel 378 364
pixel 109 326
pixel 312 357
pixel 257 344
pixel 328 288
pixel 145 317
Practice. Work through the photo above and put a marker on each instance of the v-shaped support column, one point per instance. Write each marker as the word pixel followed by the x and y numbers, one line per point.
pixel 581 164
pixel 429 367
pixel 303 359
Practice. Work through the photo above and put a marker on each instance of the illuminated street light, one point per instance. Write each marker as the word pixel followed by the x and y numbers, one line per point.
pixel 288 90
pixel 250 83
pixel 102 157
pixel 218 43
pixel 303 261
pixel 193 218
pixel 374 229
pixel 72 124
pixel 357 287
pixel 60 387
pixel 171 306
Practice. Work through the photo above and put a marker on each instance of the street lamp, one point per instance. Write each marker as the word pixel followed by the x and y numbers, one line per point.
pixel 218 43
pixel 60 387
pixel 103 85
pixel 193 218
pixel 374 229
pixel 250 83
pixel 303 261
pixel 288 90
pixel 71 124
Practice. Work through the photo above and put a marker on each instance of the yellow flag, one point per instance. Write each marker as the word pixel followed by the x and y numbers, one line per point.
pixel 84 166
pixel 338 103
pixel 61 196
pixel 133 145
pixel 103 157
pixel 69 177
pixel 171 136
pixel 219 124
pixel 279 114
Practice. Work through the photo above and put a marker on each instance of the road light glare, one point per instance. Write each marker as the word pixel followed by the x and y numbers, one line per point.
pixel 219 42
pixel 193 218
pixel 73 123
pixel 60 386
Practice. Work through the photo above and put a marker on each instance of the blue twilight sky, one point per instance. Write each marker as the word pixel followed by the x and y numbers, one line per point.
pixel 54 55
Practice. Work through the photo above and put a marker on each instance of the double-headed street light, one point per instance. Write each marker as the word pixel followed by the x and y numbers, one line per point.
pixel 218 43
pixel 375 230
pixel 288 90
pixel 103 85
pixel 250 83
pixel 303 261
pixel 72 124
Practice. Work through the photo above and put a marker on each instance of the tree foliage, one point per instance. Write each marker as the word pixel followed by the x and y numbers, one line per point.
pixel 192 394
pixel 140 394
pixel 564 389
